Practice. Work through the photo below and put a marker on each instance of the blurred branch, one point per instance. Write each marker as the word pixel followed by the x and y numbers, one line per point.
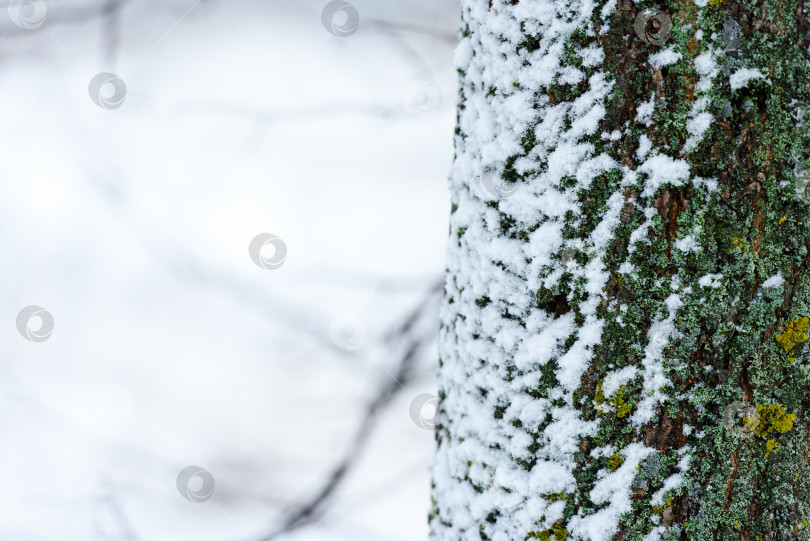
pixel 396 32
pixel 67 13
pixel 290 114
pixel 387 26
pixel 414 339
pixel 113 503
pixel 112 29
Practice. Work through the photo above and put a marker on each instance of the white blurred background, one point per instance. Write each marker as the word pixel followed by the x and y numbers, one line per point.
pixel 290 388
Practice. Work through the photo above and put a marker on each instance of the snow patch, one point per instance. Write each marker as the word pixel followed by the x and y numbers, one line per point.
pixel 741 77
pixel 645 111
pixel 667 57
pixel 711 280
pixel 663 170
pixel 655 380
pixel 656 533
pixel 774 281
pixel 687 244
pixel 614 380
pixel 675 480
pixel 615 488
pixel 644 147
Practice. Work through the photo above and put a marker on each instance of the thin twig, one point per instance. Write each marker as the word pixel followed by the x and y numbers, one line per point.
pixel 310 511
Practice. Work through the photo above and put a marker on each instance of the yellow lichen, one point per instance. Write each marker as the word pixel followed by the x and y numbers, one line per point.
pixel 614 461
pixel 752 424
pixel 794 334
pixel 616 400
pixel 658 509
pixel 738 242
pixel 775 415
pixel 599 397
pixel 556 533
pixel 770 420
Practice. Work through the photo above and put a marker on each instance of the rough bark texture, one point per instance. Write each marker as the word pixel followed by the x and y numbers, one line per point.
pixel 627 288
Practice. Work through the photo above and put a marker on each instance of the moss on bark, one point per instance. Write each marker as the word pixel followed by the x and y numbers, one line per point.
pixel 738 373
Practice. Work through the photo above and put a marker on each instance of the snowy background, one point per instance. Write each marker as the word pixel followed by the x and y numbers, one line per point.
pixel 170 347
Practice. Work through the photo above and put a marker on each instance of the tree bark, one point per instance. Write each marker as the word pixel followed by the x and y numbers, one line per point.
pixel 622 342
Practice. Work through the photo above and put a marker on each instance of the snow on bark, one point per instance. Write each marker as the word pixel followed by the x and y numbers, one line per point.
pixel 490 363
pixel 556 208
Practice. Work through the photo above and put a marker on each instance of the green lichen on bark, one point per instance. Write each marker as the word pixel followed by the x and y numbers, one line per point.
pixel 731 243
pixel 737 487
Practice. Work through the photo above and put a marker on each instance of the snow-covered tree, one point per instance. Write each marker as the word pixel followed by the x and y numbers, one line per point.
pixel 627 291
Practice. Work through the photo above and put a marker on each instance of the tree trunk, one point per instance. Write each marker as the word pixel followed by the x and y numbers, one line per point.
pixel 627 289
